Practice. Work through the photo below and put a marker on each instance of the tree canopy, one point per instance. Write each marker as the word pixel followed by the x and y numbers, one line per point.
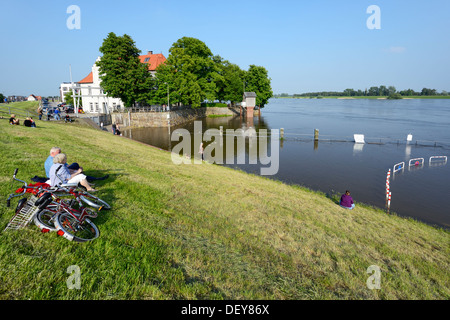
pixel 121 72
pixel 190 75
pixel 257 81
pixel 372 91
pixel 195 75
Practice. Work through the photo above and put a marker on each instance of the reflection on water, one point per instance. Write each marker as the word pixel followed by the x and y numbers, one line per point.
pixel 421 192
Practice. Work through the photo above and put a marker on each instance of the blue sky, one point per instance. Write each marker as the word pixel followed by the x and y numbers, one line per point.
pixel 305 45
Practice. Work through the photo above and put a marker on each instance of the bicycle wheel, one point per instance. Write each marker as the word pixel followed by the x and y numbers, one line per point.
pixel 94 201
pixel 73 230
pixel 44 219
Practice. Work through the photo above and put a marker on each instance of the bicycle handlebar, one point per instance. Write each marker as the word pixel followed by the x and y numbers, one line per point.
pixel 25 186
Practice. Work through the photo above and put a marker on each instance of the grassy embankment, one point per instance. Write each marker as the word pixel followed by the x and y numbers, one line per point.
pixel 206 232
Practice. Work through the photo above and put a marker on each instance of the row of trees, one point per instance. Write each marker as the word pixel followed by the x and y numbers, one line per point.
pixel 190 75
pixel 372 91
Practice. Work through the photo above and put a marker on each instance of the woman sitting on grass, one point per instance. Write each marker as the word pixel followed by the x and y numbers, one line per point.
pixel 347 201
pixel 63 175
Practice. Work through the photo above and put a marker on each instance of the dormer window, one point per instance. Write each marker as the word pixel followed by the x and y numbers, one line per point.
pixel 147 60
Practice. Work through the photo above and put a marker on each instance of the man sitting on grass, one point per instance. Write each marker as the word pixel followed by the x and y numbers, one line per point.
pixel 72 168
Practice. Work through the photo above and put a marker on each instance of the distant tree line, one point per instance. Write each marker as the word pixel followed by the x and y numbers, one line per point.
pixel 191 75
pixel 372 91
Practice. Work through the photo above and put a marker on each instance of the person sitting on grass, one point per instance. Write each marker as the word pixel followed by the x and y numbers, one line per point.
pixel 60 174
pixel 67 118
pixel 28 122
pixel 13 120
pixel 72 168
pixel 49 162
pixel 347 201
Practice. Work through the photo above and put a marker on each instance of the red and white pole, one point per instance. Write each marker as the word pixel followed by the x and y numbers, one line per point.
pixel 389 203
pixel 388 185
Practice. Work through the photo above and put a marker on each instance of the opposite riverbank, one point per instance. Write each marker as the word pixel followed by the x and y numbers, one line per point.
pixel 206 232
pixel 366 97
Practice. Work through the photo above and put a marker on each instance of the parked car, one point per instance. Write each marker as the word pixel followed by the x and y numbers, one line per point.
pixel 69 109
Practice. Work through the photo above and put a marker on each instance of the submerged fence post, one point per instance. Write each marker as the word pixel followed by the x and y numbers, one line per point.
pixel 281 133
pixel 316 134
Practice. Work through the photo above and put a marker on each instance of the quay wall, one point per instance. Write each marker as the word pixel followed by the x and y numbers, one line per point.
pixel 164 119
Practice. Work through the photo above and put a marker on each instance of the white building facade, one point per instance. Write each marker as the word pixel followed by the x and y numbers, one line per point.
pixel 93 97
pixel 64 88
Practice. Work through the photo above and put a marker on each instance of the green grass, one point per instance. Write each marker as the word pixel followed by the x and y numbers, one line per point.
pixel 206 232
pixel 20 109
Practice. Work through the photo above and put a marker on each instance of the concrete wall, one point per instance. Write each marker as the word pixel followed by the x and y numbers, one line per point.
pixel 160 119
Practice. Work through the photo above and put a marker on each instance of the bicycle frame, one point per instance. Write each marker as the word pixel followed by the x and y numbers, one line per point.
pixel 47 198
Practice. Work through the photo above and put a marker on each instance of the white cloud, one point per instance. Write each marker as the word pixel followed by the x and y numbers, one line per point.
pixel 396 50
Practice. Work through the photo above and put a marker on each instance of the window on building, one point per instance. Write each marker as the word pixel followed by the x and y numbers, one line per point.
pixel 96 107
pixel 114 106
pixel 91 106
pixel 89 90
pixel 147 60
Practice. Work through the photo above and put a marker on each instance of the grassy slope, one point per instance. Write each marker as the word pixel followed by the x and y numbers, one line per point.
pixel 206 232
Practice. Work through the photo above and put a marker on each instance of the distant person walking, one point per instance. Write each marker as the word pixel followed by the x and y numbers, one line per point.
pixel 40 112
pixel 201 151
pixel 56 114
pixel 347 201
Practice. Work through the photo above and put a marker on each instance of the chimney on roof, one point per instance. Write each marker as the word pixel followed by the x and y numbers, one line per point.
pixel 150 52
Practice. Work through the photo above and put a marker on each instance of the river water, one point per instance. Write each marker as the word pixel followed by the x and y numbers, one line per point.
pixel 335 163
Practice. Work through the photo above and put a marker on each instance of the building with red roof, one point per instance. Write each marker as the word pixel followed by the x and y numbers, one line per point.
pixel 91 94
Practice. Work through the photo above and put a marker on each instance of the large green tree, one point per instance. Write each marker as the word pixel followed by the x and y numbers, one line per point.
pixel 121 72
pixel 257 80
pixel 230 84
pixel 190 73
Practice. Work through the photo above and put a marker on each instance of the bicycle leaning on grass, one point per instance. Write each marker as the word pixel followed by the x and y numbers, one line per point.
pixel 62 209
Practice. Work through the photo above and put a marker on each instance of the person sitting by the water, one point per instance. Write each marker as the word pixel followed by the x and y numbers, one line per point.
pixel 60 174
pixel 347 201
pixel 13 120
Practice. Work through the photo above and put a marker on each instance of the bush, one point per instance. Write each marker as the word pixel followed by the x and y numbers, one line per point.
pixel 395 96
